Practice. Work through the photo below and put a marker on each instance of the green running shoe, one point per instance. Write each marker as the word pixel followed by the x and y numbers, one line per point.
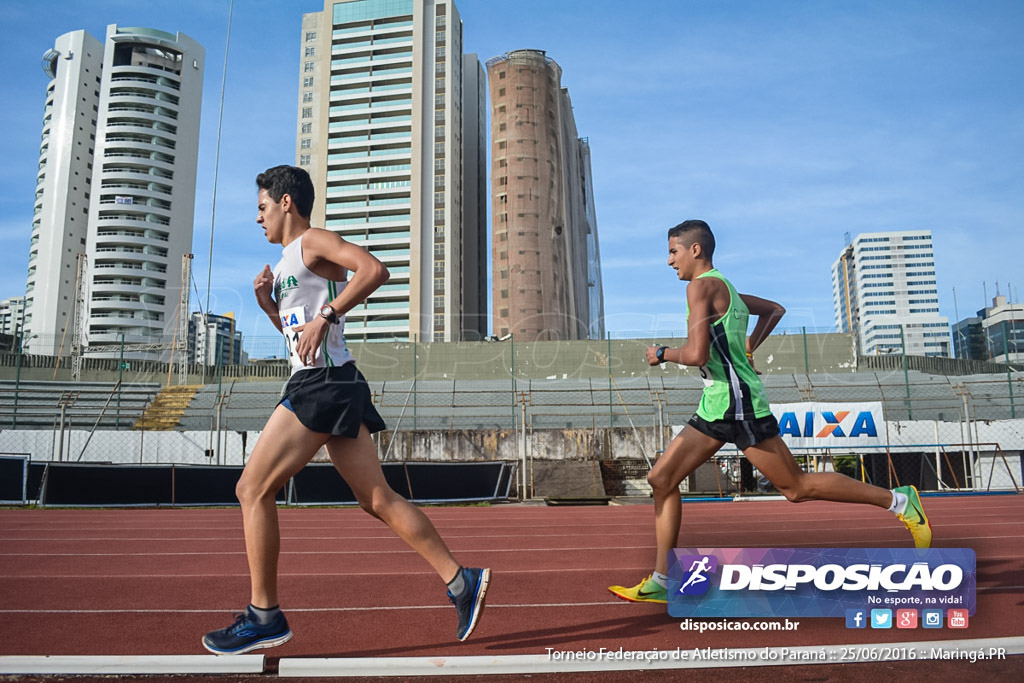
pixel 645 591
pixel 914 518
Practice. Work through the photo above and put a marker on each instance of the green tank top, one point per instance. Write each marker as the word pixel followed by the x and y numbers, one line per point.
pixel 732 390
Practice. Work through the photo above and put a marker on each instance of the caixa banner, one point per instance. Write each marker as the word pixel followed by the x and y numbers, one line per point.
pixel 817 582
pixel 830 425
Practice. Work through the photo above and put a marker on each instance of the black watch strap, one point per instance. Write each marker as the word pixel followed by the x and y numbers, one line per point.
pixel 660 354
pixel 328 313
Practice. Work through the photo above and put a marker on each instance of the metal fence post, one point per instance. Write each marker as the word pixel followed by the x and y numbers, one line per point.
pixel 906 373
pixel 120 375
pixel 611 405
pixel 415 376
pixel 807 364
pixel 1009 376
pixel 512 370
pixel 17 378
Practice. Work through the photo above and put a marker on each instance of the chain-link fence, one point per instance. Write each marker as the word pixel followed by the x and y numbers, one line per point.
pixel 595 407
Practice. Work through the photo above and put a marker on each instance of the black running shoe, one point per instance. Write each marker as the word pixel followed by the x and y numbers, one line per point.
pixel 247 634
pixel 470 602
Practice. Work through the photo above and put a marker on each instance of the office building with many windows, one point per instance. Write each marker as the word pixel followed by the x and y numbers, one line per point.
pixel 116 182
pixel 380 131
pixel 214 340
pixel 996 333
pixel 884 292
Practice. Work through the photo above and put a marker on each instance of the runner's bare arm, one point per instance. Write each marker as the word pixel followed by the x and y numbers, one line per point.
pixel 768 315
pixel 263 287
pixel 367 273
pixel 697 349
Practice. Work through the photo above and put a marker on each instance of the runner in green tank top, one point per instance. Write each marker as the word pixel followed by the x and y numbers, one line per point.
pixel 732 389
pixel 734 408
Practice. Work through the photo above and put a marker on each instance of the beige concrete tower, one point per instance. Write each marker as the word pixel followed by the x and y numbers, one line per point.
pixel 540 177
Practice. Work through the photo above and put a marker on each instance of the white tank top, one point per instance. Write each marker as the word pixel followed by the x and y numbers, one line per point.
pixel 300 295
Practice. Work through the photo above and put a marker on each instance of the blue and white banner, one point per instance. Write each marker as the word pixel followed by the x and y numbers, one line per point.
pixel 817 582
pixel 830 425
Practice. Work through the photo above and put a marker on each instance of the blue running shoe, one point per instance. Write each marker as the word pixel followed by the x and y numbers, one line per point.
pixel 247 634
pixel 470 602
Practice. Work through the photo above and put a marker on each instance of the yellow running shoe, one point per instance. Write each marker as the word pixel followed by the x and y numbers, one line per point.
pixel 645 591
pixel 914 518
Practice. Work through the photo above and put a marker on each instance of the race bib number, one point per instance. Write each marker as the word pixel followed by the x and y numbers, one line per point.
pixel 292 317
pixel 705 376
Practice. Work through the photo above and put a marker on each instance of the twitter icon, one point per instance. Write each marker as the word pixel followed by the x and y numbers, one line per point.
pixel 881 618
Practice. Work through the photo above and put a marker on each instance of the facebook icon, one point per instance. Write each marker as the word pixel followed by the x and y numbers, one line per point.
pixel 856 618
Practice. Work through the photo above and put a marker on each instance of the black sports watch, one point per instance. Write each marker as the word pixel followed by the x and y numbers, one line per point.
pixel 660 354
pixel 327 312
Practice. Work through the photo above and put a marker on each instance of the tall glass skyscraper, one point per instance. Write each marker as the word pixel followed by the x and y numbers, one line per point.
pixel 380 130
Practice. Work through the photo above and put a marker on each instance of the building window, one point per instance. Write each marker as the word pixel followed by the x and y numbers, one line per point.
pixel 310 36
pixel 307 128
pixel 305 144
pixel 307 112
pixel 303 160
pixel 307 97
pixel 310 51
pixel 501 92
pixel 307 82
pixel 308 67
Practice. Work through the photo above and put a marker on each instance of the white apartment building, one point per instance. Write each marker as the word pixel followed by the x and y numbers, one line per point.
pixel 117 178
pixel 12 315
pixel 380 132
pixel 884 292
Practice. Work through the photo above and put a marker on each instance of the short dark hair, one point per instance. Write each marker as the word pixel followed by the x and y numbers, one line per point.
pixel 292 181
pixel 697 231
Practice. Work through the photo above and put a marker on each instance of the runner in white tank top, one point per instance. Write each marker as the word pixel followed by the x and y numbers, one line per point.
pixel 327 403
pixel 300 295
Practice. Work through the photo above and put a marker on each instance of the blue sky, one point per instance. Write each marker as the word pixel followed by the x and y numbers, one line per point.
pixel 783 124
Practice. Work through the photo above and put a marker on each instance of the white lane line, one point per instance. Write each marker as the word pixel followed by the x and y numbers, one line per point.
pixel 725 520
pixel 611 602
pixel 326 538
pixel 645 660
pixel 370 608
pixel 143 664
pixel 586 530
pixel 405 551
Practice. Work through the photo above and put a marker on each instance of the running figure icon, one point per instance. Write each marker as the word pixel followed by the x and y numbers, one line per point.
pixel 696 570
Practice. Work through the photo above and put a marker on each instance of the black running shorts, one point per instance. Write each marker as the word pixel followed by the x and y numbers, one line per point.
pixel 332 401
pixel 743 433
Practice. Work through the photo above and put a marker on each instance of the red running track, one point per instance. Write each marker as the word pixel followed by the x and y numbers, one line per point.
pixel 131 581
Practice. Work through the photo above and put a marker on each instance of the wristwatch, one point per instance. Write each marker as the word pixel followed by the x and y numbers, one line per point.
pixel 327 311
pixel 660 354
